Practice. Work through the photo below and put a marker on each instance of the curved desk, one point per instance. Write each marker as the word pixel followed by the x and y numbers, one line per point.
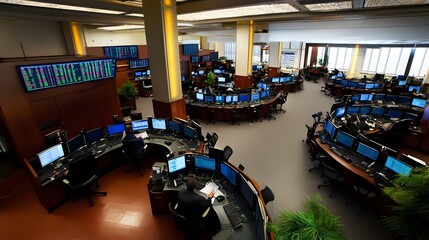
pixel 292 86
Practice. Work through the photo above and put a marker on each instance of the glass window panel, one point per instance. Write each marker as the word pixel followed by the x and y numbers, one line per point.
pixel 256 53
pixel 230 50
pixel 367 59
pixel 333 52
pixel 384 56
pixel 374 60
pixel 392 62
pixel 425 65
pixel 403 61
pixel 416 66
pixel 320 55
pixel 340 58
pixel 265 55
pixel 310 50
pixel 348 59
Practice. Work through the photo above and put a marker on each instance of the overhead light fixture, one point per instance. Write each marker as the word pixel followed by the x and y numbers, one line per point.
pixel 121 27
pixel 386 3
pixel 331 6
pixel 135 14
pixel 60 6
pixel 185 24
pixel 238 12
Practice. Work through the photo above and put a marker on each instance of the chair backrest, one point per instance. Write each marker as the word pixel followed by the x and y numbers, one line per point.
pixel 81 169
pixel 401 125
pixel 267 194
pixel 215 137
pixel 313 149
pixel 310 132
pixel 329 172
pixel 181 222
pixel 227 152
pixel 208 138
pixel 133 148
pixel 136 116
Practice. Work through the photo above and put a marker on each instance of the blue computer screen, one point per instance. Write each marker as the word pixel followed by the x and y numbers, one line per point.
pixel 229 173
pixel 176 164
pixel 159 123
pixel 340 75
pixel 255 96
pixel 351 110
pixel 344 83
pixel 247 191
pixel 369 86
pixel 244 97
pixel 377 111
pixel 361 85
pixel 93 135
pixel 345 139
pixel 330 129
pixel 228 98
pixel 234 98
pixel 174 126
pixel 204 162
pixel 259 66
pixel 51 154
pixel 355 98
pixel 199 96
pixel 208 98
pixel 394 113
pixel 139 125
pixel 365 110
pixel 201 72
pixel 221 79
pixel 333 77
pixel 398 166
pixel 416 88
pixel 417 102
pixel 353 84
pixel 220 99
pixel 405 100
pixel 217 71
pixel 391 98
pixel 285 79
pixel 265 93
pixel 115 129
pixel 275 79
pixel 367 151
pixel 188 132
pixel 366 97
pixel 338 81
pixel 402 83
pixel 340 112
pixel 379 97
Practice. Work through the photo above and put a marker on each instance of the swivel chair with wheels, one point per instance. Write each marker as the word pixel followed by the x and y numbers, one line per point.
pixel 227 152
pixel 210 113
pixel 236 116
pixel 214 139
pixel 267 195
pixel 82 177
pixel 315 156
pixel 333 178
pixel 192 228
pixel 271 110
pixel 136 116
pixel 365 192
pixel 397 131
pixel 134 150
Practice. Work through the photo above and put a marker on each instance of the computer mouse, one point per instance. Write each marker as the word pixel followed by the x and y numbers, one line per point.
pixel 220 198
pixel 168 143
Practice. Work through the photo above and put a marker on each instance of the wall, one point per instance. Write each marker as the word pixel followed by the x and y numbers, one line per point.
pixel 100 38
pixel 294 47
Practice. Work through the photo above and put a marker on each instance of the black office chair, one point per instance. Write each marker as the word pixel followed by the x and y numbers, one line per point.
pixel 134 150
pixel 280 101
pixel 136 116
pixel 192 228
pixel 241 167
pixel 315 156
pixel 236 116
pixel 398 131
pixel 271 110
pixel 82 177
pixel 333 178
pixel 267 195
pixel 310 133
pixel 214 139
pixel 256 114
pixel 364 192
pixel 227 152
pixel 210 113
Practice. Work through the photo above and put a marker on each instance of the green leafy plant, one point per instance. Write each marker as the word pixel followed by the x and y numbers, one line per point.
pixel 411 212
pixel 315 222
pixel 324 61
pixel 128 91
pixel 211 79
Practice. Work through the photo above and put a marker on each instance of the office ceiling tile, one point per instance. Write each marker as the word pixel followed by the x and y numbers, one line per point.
pixel 388 3
pixel 330 6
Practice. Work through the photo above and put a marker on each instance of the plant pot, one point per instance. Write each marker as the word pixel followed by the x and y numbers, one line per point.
pixel 128 103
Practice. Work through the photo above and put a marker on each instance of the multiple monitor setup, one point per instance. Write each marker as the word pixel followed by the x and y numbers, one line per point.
pixel 359 85
pixel 228 99
pixel 390 98
pixel 281 79
pixel 161 124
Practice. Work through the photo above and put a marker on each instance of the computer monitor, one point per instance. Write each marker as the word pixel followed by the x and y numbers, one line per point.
pixel 189 132
pixel 338 81
pixel 367 151
pixel 379 97
pixel 340 75
pixel 201 72
pixel 361 85
pixel 205 163
pixel 220 98
pixel 369 86
pixel 420 103
pixel 139 125
pixel 366 97
pixel 333 77
pixel 377 111
pixel 75 143
pixel 340 112
pixel 221 79
pixel 148 72
pixel 199 96
pixel 216 153
pixel 330 128
pixel 229 173
pixel 398 166
pixel 174 126
pixel 412 161
pixel 394 113
pixel 258 66
pixel 159 123
pixel 209 98
pixel 353 109
pixel 353 84
pixel 265 93
pixel 344 83
pixel 50 155
pixel 402 83
pixel 345 139
pixel 228 98
pixel 176 165
pixel 376 85
pixel 391 98
pixel 364 110
pixel 114 129
pixel 414 88
pixel 275 80
pixel 94 135
pixel 401 77
pixel 255 96
pixel 217 71
pixel 247 191
pixel 285 79
pixel 356 97
pixel 53 138
pixel 244 97
pixel 234 98
pixel 404 100
pixel 381 148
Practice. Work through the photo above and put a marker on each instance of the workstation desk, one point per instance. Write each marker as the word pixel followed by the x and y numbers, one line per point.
pixel 291 86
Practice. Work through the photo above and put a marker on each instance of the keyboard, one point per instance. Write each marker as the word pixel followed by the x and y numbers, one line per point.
pixel 338 153
pixel 233 215
pixel 360 167
pixel 115 140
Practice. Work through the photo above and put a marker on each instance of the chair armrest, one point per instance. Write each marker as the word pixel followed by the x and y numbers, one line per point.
pixel 205 212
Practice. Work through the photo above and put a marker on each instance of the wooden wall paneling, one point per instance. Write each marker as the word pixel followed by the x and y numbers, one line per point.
pixel 243 82
pixel 121 78
pixel 74 111
pixel 106 104
pixel 184 69
pixel 46 113
pixel 273 71
pixel 169 110
pixel 143 53
pixel 95 51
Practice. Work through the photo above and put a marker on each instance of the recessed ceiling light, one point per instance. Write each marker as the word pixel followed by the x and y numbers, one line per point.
pixel 179 24
pixel 59 6
pixel 135 14
pixel 387 3
pixel 331 6
pixel 238 12
pixel 121 27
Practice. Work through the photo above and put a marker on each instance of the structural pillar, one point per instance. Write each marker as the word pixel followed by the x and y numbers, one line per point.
pixel 75 39
pixel 204 43
pixel 274 60
pixel 163 50
pixel 220 47
pixel 243 55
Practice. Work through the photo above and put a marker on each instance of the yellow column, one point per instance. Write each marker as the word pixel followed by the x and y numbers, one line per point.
pixel 75 39
pixel 243 55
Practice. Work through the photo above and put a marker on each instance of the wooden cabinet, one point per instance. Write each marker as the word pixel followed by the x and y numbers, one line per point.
pixel 159 199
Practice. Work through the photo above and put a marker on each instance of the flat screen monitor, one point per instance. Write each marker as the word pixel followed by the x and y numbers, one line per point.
pixel 220 98
pixel 361 85
pixel 247 191
pixel 398 166
pixel 377 111
pixel 414 88
pixel 148 72
pixel 405 100
pixel 376 85
pixel 365 110
pixel 382 148
pixel 408 115
pixel 337 81
pixel 181 120
pixel 138 74
pixel 379 97
pixel 353 84
pixel 366 97
pixel 174 126
pixel 93 136
pixel 115 129
pixel 345 139
pixel 265 93
pixel 394 113
pixel 417 102
pixel 344 83
pixel 340 112
pixel 369 86
pixel 367 151
pixel 176 164
pixel 205 58
pixel 188 132
pixel 402 83
pixel 229 173
pixel 254 67
pixel 234 98
pixel 122 52
pixel 214 56
pixel 275 80
pixel 401 77
pixel 228 98
pixel 412 161
pixel 190 48
pixel 51 154
pixel 285 79
pixel 221 79
pixel 203 162
pixel 352 109
pixel 217 71
pixel 201 72
pixel 209 98
pixel 139 63
pixel 258 66
pixel 195 58
pixel 199 96
pixel 139 125
pixel 75 143
pixel 255 96
pixel 355 98
pixel 244 97
pixel 333 77
pixel 159 123
pixel 391 98
pixel 330 128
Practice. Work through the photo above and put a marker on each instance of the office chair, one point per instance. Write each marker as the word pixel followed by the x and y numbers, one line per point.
pixel 398 131
pixel 136 116
pixel 208 139
pixel 256 113
pixel 192 228
pixel 147 85
pixel 310 133
pixel 227 152
pixel 271 110
pixel 210 113
pixel 267 195
pixel 134 150
pixel 236 116
pixel 241 167
pixel 280 101
pixel 364 192
pixel 214 139
pixel 315 156
pixel 332 176
pixel 82 177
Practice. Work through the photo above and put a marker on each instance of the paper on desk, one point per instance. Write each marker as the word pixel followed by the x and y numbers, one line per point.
pixel 212 187
pixel 142 135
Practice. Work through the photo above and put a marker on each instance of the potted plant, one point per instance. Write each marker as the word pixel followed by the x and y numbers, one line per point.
pixel 411 212
pixel 211 79
pixel 127 93
pixel 313 223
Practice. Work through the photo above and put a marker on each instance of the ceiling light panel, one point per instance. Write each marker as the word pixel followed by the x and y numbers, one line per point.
pixel 135 14
pixel 59 6
pixel 331 6
pixel 387 3
pixel 121 27
pixel 238 12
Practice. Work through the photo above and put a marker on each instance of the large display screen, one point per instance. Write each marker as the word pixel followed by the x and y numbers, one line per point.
pixel 122 52
pixel 139 63
pixel 191 48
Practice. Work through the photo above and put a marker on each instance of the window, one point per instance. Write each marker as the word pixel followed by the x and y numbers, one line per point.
pixel 230 50
pixel 420 64
pixel 340 58
pixel 256 53
pixel 386 60
pixel 320 55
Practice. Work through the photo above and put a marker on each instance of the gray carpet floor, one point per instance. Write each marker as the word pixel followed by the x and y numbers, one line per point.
pixel 273 154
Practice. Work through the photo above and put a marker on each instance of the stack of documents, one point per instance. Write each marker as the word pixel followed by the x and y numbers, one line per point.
pixel 212 187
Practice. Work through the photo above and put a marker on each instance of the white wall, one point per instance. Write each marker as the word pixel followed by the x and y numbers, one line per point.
pixel 101 38
pixel 31 38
